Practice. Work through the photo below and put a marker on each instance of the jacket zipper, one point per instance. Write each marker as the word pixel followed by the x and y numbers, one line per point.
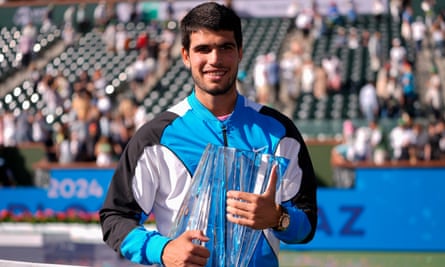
pixel 224 132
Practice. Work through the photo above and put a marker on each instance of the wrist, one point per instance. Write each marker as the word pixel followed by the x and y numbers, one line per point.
pixel 283 220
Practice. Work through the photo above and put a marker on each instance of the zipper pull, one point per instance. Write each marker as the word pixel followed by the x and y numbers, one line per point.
pixel 224 132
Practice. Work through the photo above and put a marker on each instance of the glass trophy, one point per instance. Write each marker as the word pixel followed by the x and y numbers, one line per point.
pixel 204 207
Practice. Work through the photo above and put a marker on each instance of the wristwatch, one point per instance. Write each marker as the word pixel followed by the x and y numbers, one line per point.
pixel 284 221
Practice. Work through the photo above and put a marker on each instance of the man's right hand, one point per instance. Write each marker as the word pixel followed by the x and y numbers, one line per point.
pixel 183 252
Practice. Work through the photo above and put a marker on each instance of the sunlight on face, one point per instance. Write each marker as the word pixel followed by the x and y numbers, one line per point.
pixel 213 61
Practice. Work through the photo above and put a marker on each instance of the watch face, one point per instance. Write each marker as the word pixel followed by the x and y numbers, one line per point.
pixel 285 222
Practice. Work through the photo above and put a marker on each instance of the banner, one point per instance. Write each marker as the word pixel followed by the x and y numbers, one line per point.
pixel 394 209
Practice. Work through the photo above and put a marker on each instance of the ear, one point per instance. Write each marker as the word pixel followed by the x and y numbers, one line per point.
pixel 185 57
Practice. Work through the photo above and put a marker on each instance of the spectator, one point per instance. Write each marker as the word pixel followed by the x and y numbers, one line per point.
pixel 433 95
pixel 24 127
pixel 331 65
pixel 82 20
pixel 68 35
pixel 100 15
pixel 397 52
pixel 353 39
pixel 290 66
pixel 419 143
pixel 432 148
pixel 121 137
pixel 361 146
pixel 65 151
pixel 437 34
pixel 26 43
pixel 333 16
pixel 142 41
pixel 376 52
pixel 307 75
pixel 109 37
pixel 170 10
pixel 395 9
pixel 273 75
pixel 401 138
pixel 320 83
pixel 40 128
pixel 440 127
pixel 261 81
pixel 68 15
pixel 9 131
pixel 140 73
pixel 427 7
pixel 304 21
pixel 408 88
pixel 103 151
pixel 133 116
pixel 418 29
pixel 378 10
pixel 340 39
pixel 124 11
pixel 121 39
pixel 368 101
pixel 351 13
pixel 99 81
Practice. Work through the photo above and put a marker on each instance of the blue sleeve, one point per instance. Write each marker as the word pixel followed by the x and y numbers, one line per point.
pixel 143 246
pixel 299 227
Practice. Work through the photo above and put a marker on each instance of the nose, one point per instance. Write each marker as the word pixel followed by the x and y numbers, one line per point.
pixel 215 57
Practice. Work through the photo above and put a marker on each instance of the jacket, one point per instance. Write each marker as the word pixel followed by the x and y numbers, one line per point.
pixel 156 168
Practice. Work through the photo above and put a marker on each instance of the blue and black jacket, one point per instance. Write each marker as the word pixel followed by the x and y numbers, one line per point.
pixel 156 168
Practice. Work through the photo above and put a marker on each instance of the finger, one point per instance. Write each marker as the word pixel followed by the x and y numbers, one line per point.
pixel 196 234
pixel 239 220
pixel 238 203
pixel 238 212
pixel 272 186
pixel 198 257
pixel 240 196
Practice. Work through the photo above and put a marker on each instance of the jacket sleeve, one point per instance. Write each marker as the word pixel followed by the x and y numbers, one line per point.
pixel 121 216
pixel 299 187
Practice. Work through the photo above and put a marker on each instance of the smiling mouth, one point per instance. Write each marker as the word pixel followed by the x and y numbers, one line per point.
pixel 216 73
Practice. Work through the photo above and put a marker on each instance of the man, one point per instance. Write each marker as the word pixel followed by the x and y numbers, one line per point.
pixel 158 163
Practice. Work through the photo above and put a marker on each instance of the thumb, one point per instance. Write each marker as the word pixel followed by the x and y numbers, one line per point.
pixel 272 186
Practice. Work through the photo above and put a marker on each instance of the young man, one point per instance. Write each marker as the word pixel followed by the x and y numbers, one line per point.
pixel 158 164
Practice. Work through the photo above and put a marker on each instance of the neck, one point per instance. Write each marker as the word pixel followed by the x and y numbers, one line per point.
pixel 219 105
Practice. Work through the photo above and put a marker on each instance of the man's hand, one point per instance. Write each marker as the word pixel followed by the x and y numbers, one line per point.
pixel 253 210
pixel 183 252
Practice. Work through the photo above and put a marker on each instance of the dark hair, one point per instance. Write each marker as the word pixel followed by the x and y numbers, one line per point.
pixel 211 16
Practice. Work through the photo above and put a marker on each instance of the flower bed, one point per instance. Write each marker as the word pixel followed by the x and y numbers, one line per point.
pixel 51 216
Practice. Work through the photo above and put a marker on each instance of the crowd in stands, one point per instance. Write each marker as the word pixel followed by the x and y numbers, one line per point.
pixel 94 130
pixel 95 126
pixel 392 92
pixel 408 141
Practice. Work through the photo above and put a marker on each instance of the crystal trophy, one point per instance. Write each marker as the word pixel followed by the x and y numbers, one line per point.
pixel 204 207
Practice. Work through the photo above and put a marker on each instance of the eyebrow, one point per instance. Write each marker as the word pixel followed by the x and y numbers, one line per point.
pixel 225 44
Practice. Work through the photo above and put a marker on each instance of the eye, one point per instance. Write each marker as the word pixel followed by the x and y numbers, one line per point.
pixel 227 47
pixel 202 49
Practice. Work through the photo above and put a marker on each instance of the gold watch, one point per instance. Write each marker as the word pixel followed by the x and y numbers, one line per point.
pixel 284 221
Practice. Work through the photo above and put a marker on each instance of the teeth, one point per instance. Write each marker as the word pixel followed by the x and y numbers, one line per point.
pixel 218 73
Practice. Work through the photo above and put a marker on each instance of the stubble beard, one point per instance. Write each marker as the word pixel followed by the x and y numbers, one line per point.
pixel 216 91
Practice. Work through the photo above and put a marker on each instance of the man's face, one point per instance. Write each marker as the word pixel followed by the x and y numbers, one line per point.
pixel 213 60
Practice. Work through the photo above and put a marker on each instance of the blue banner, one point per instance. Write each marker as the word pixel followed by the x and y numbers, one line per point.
pixel 395 209
pixel 388 209
pixel 80 189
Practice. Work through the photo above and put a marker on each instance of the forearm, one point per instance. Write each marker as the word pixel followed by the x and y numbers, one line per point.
pixel 143 246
